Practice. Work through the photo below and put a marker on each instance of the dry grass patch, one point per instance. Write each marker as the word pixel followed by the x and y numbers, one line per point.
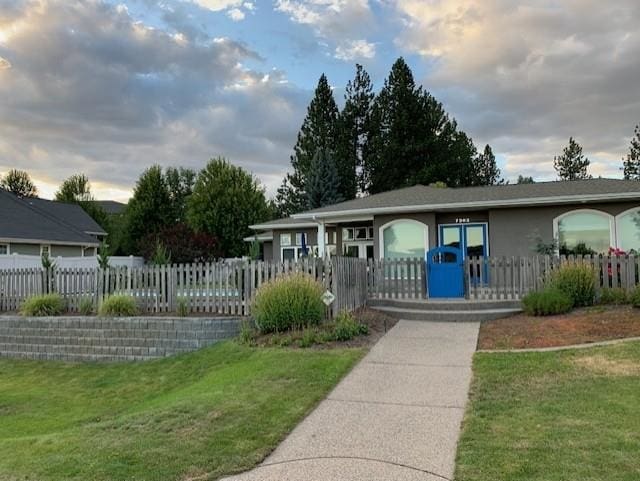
pixel 600 364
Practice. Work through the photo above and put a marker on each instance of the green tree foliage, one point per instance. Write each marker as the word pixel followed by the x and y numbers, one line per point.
pixel 77 190
pixel 180 182
pixel 225 201
pixel 412 140
pixel 318 131
pixel 486 171
pixel 572 165
pixel 19 183
pixel 353 130
pixel 525 180
pixel 149 210
pixel 631 165
pixel 324 185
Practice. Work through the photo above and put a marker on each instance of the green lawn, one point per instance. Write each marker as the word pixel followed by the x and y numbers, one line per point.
pixel 209 413
pixel 570 415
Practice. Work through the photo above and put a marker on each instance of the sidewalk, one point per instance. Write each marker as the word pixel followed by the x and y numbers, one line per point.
pixel 396 416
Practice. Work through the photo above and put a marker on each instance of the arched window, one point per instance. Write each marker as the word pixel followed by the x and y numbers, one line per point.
pixel 590 228
pixel 628 230
pixel 403 238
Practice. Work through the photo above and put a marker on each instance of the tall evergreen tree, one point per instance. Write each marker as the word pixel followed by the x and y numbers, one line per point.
pixel 353 125
pixel 318 131
pixel 486 171
pixel 324 182
pixel 572 165
pixel 522 179
pixel 412 139
pixel 631 165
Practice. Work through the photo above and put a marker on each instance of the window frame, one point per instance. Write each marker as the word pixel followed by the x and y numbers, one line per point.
pixel 382 228
pixel 284 236
pixel 618 219
pixel 8 246
pixel 613 241
pixel 48 247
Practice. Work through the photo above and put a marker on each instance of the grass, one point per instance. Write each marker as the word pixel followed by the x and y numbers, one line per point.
pixel 568 415
pixel 217 411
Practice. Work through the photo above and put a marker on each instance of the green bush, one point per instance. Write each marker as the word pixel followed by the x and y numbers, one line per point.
pixel 289 302
pixel 547 302
pixel 578 281
pixel 614 295
pixel 309 338
pixel 635 297
pixel 43 305
pixel 347 327
pixel 247 334
pixel 86 306
pixel 118 305
pixel 183 307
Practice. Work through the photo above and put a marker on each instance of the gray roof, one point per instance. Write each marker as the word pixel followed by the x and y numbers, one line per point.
pixel 426 197
pixel 282 223
pixel 45 220
pixel 111 207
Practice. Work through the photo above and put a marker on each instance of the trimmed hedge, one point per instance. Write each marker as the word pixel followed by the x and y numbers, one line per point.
pixel 118 305
pixel 578 281
pixel 43 305
pixel 547 302
pixel 288 302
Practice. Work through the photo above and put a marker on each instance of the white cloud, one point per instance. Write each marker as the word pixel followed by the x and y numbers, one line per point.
pixel 355 49
pixel 217 5
pixel 526 76
pixel 236 14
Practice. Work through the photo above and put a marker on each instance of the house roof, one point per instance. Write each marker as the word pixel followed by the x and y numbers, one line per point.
pixel 427 198
pixel 284 223
pixel 111 207
pixel 40 220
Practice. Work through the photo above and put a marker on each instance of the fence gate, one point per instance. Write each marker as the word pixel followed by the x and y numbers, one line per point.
pixel 445 272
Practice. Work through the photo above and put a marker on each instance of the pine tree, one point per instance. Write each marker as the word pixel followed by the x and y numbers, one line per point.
pixel 486 171
pixel 412 139
pixel 318 131
pixel 353 124
pixel 572 165
pixel 324 183
pixel 525 180
pixel 631 165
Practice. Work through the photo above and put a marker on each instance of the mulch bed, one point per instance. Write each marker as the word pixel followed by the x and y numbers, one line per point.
pixel 580 326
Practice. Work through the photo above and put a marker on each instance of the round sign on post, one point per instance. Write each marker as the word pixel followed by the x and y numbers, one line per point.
pixel 328 298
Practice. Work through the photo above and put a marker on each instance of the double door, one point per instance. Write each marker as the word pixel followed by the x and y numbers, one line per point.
pixel 472 241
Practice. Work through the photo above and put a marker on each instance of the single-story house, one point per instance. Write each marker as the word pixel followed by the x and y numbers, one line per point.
pixel 33 226
pixel 499 220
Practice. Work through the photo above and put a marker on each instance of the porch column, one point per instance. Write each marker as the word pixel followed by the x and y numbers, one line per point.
pixel 321 249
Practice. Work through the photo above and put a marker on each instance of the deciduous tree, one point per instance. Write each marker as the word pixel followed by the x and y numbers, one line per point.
pixel 19 182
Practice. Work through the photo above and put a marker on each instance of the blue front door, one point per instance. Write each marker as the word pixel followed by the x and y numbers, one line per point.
pixel 471 239
pixel 445 268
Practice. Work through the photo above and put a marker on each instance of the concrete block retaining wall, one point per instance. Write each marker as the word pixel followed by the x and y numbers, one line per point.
pixel 110 339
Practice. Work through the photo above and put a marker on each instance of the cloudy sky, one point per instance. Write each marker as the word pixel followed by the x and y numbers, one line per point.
pixel 110 87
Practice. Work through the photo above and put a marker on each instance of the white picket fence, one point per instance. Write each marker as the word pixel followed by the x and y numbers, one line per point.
pixel 20 261
pixel 221 288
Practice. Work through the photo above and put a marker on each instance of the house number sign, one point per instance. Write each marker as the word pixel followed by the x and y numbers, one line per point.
pixel 462 220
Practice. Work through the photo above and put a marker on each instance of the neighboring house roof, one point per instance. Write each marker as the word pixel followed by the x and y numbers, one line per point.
pixel 111 207
pixel 283 224
pixel 426 198
pixel 40 220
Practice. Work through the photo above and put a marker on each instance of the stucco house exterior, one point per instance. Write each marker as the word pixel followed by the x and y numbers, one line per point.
pixel 32 226
pixel 501 220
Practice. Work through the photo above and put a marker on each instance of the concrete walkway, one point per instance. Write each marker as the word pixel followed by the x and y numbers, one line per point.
pixel 396 416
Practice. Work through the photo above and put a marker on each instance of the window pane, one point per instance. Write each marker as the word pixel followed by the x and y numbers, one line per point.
pixel 451 237
pixel 369 252
pixel 351 251
pixel 588 228
pixel 285 239
pixel 475 241
pixel 288 254
pixel 629 232
pixel 361 233
pixel 404 239
pixel 4 249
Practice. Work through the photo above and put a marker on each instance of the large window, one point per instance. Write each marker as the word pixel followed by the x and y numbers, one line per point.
pixel 628 230
pixel 404 238
pixel 588 229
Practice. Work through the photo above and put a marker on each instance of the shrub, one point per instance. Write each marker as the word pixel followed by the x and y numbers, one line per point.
pixel 118 305
pixel 309 338
pixel 289 302
pixel 547 302
pixel 578 281
pixel 635 297
pixel 86 306
pixel 347 327
pixel 182 307
pixel 247 334
pixel 614 295
pixel 43 305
